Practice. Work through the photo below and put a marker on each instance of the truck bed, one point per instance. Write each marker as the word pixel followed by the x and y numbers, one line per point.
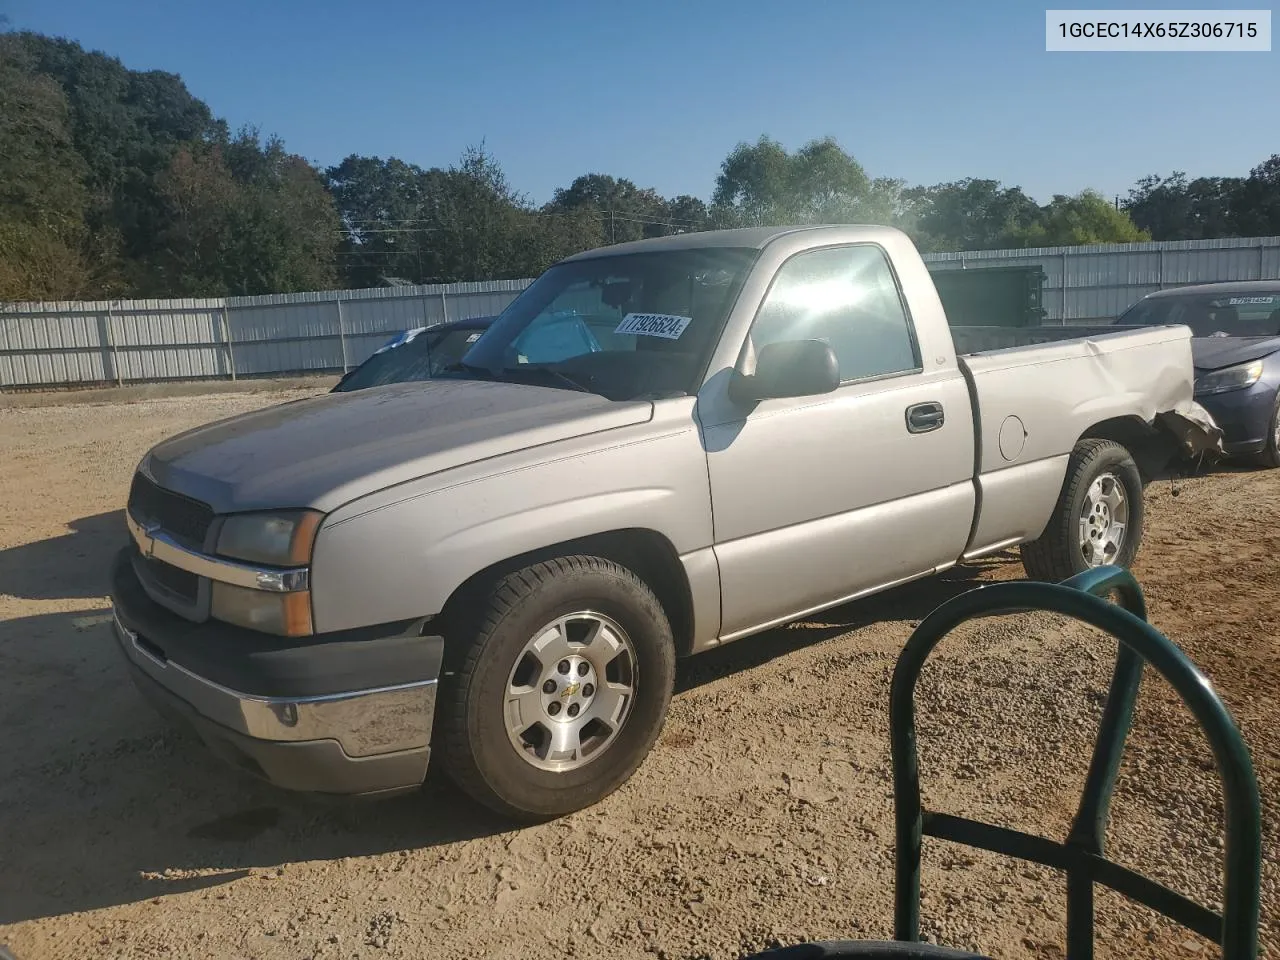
pixel 971 340
pixel 1033 399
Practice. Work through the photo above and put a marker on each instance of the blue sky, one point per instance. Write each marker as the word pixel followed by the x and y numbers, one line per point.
pixel 660 91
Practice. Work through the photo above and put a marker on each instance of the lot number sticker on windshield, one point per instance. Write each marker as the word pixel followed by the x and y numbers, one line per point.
pixel 473 338
pixel 1234 300
pixel 654 325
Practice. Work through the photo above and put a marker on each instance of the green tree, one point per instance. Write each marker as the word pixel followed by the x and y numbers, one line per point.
pixel 126 126
pixel 1255 205
pixel 42 193
pixel 969 214
pixel 382 205
pixel 198 195
pixel 285 225
pixel 41 174
pixel 476 221
pixel 761 184
pixel 1086 218
pixel 687 214
pixel 755 185
pixel 38 264
pixel 625 211
pixel 242 218
pixel 549 238
pixel 444 225
pixel 1175 208
pixel 127 184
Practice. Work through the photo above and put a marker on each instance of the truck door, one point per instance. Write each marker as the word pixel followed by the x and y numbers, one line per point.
pixel 820 499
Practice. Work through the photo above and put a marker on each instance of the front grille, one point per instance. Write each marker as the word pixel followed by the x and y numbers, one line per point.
pixel 181 517
pixel 181 583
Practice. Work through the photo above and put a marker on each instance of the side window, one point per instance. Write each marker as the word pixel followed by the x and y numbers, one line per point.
pixel 846 296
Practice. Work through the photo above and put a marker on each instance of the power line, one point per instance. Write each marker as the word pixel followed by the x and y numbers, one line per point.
pixel 415 231
pixel 603 215
pixel 625 216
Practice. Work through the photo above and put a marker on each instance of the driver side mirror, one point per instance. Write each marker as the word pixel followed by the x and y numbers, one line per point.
pixel 793 368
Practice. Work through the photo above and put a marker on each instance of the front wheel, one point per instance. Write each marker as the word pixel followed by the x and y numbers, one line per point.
pixel 559 687
pixel 1098 518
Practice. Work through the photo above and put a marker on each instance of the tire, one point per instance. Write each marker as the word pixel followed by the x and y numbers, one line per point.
pixel 1269 455
pixel 1060 553
pixel 520 775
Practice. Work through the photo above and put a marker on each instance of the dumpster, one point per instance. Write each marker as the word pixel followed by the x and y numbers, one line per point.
pixel 992 296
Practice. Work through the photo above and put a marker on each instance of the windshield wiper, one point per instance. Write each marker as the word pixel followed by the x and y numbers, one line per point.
pixel 564 379
pixel 520 374
pixel 470 369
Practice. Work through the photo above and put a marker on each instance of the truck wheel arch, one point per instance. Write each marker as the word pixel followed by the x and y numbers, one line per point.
pixel 1152 448
pixel 646 553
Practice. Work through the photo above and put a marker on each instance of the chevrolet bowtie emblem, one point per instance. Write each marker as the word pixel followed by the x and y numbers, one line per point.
pixel 148 545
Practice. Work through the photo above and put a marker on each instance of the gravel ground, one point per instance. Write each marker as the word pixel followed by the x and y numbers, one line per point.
pixel 763 815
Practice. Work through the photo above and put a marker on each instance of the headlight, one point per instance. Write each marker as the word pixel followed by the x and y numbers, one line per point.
pixel 1230 378
pixel 278 539
pixel 282 539
pixel 284 614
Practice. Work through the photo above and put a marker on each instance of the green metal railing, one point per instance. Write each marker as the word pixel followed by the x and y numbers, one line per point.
pixel 1081 857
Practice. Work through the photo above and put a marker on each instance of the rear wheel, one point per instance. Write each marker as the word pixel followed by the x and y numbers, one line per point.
pixel 1269 456
pixel 1098 518
pixel 559 687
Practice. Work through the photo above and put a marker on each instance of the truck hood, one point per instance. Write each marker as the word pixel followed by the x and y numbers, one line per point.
pixel 325 451
pixel 1214 353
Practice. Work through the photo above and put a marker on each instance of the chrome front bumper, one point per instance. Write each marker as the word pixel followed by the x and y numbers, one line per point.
pixel 357 742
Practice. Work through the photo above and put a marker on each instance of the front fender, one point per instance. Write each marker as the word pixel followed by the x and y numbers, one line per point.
pixel 400 553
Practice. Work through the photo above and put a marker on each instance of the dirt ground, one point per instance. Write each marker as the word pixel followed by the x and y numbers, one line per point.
pixel 762 817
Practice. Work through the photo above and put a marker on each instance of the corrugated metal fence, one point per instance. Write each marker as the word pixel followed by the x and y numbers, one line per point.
pixel 1090 284
pixel 123 341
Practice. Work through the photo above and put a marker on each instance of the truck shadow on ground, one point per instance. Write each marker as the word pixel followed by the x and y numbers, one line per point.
pixel 73 566
pixel 105 804
pixel 911 602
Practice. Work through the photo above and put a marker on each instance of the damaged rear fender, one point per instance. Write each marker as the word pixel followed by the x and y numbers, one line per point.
pixel 1169 443
pixel 1198 436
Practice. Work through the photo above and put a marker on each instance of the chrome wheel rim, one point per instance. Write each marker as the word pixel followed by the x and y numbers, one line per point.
pixel 571 691
pixel 1104 520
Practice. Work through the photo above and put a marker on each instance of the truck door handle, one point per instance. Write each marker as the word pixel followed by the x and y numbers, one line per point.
pixel 923 417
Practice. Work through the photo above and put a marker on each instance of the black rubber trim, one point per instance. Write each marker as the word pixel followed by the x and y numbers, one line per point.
pixel 1244 447
pixel 266 666
pixel 308 766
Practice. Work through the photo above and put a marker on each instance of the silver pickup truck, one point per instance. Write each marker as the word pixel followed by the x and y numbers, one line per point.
pixel 659 447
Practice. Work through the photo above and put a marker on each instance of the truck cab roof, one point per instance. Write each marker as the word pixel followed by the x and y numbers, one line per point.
pixel 743 238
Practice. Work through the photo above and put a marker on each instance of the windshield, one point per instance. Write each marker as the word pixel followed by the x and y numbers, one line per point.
pixel 1251 315
pixel 419 357
pixel 627 327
